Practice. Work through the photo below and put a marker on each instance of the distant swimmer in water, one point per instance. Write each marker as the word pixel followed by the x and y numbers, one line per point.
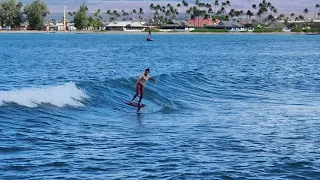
pixel 141 83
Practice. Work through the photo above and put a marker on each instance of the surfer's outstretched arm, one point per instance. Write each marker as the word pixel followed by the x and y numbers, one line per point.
pixel 153 79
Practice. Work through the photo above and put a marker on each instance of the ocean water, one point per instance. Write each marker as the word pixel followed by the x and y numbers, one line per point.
pixel 225 107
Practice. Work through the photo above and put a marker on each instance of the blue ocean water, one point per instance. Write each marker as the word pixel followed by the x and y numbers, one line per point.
pixel 225 107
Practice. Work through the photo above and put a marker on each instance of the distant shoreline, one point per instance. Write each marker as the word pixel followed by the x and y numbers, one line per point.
pixel 137 32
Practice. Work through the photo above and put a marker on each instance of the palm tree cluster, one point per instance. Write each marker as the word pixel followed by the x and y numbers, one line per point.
pixel 164 14
pixel 161 14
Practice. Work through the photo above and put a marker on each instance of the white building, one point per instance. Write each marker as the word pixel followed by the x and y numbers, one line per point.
pixel 126 26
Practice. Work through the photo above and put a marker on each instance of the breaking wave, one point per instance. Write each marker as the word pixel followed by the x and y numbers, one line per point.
pixel 61 95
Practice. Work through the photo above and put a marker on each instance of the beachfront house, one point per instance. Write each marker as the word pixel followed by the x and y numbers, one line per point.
pixel 59 26
pixel 200 22
pixel 278 25
pixel 125 26
pixel 229 25
pixel 23 26
pixel 177 26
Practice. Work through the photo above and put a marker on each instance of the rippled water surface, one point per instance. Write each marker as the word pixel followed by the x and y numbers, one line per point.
pixel 225 107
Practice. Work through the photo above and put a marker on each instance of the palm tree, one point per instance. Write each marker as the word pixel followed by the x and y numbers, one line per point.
pixel 269 4
pixel 115 15
pixel 157 8
pixel 254 6
pixel 151 7
pixel 109 13
pixel 305 11
pixel 54 21
pixel 318 7
pixel 188 11
pixel 216 3
pixel 210 11
pixel 292 15
pixel 97 23
pixel 179 6
pixel 263 8
pixel 141 14
pixel 175 13
pixel 271 9
pixel 301 17
pixel 286 20
pixel 134 11
pixel 232 13
pixel 223 10
pixel 208 6
pixel 185 4
pixel 249 14
pixel 275 10
pixel 197 2
pixel 97 15
pixel 71 13
pixel 123 15
pixel 270 17
pixel 281 16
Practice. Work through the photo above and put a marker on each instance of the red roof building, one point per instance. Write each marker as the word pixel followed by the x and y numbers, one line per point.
pixel 200 22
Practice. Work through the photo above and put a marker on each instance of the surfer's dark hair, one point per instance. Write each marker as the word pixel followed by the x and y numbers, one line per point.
pixel 148 69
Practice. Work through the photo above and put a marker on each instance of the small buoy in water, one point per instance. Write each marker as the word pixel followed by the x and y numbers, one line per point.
pixel 149 37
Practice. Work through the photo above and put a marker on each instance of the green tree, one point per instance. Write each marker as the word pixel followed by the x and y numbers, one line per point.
pixel 97 22
pixel 10 13
pixel 54 21
pixel 81 19
pixel 36 13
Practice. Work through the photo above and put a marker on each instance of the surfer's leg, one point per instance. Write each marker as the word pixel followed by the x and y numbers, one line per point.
pixel 140 98
pixel 141 94
pixel 133 98
pixel 137 92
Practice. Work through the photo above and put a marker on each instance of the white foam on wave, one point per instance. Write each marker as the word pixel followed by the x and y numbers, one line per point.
pixel 61 95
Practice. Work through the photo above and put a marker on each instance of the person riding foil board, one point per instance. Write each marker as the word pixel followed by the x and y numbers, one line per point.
pixel 141 83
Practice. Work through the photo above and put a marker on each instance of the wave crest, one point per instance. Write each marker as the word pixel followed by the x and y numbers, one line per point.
pixel 62 95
